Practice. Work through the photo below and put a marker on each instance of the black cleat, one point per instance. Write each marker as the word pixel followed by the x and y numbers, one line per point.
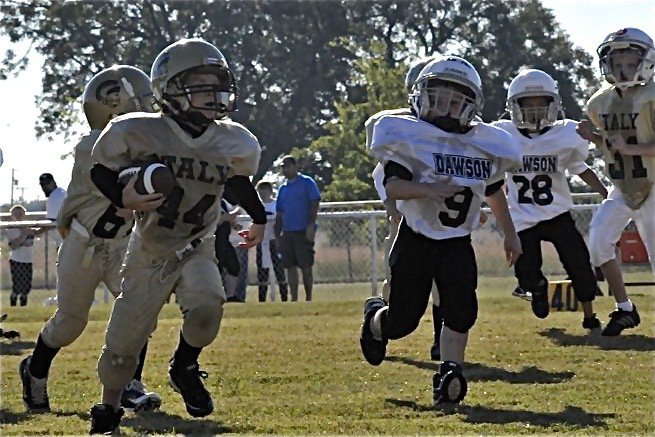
pixel 135 398
pixel 35 390
pixel 22 300
pixel 523 294
pixel 104 420
pixel 620 320
pixel 591 322
pixel 448 385
pixel 13 298
pixel 435 351
pixel 539 303
pixel 188 382
pixel 372 349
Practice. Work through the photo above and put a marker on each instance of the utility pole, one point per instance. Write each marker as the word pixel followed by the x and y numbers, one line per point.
pixel 13 182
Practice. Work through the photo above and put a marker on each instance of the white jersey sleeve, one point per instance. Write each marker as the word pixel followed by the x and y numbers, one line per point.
pixel 378 181
pixel 471 160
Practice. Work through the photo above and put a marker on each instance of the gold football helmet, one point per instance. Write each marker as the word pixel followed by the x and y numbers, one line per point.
pixel 116 90
pixel 174 87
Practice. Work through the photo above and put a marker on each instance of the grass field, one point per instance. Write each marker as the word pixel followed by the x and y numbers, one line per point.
pixel 296 368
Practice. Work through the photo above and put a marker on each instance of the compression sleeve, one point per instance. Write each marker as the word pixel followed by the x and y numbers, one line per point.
pixel 107 182
pixel 241 188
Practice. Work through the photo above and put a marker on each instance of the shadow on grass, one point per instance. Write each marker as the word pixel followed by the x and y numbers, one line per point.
pixel 15 347
pixel 12 418
pixel 480 372
pixel 161 422
pixel 634 342
pixel 570 416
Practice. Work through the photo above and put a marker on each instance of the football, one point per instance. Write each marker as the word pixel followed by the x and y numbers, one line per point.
pixel 151 178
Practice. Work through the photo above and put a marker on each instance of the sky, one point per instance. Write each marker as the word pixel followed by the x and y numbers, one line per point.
pixel 586 21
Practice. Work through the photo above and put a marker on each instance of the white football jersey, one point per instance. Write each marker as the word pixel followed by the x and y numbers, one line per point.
pixel 473 160
pixel 539 189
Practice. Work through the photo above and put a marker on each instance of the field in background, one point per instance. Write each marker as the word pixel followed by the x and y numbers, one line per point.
pixel 295 368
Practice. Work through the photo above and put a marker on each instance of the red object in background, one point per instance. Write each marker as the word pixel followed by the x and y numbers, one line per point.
pixel 632 248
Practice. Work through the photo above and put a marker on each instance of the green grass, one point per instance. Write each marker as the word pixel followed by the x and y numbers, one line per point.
pixel 297 369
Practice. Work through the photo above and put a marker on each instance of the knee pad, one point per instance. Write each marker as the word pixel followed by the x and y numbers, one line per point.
pixel 462 317
pixel 62 329
pixel 201 323
pixel 115 370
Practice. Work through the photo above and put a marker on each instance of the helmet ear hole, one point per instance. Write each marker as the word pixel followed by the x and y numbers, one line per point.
pixel 115 91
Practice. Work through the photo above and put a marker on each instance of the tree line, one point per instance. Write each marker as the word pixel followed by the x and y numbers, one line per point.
pixel 309 72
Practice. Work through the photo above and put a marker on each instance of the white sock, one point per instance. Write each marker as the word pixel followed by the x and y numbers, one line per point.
pixel 376 324
pixel 625 306
pixel 453 345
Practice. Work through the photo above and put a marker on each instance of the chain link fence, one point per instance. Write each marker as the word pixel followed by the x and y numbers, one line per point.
pixel 349 247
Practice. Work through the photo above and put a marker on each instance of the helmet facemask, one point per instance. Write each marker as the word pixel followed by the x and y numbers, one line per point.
pixel 445 104
pixel 529 113
pixel 626 65
pixel 202 94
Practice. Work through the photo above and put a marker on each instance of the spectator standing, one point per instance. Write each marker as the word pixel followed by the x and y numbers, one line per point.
pixel 20 241
pixel 228 263
pixel 55 199
pixel 267 253
pixel 295 225
pixel 240 225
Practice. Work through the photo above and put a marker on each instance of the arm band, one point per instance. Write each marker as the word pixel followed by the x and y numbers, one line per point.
pixel 491 189
pixel 393 169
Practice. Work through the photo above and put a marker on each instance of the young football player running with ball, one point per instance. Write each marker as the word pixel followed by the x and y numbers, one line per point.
pixel 622 126
pixel 439 165
pixel 95 235
pixel 538 192
pixel 172 246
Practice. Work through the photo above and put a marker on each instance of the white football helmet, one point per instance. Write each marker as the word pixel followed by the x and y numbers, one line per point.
pixel 533 83
pixel 173 67
pixel 116 90
pixel 448 87
pixel 414 70
pixel 628 40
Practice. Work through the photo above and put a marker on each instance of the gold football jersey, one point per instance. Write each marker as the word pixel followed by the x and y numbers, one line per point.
pixel 631 115
pixel 201 167
pixel 86 203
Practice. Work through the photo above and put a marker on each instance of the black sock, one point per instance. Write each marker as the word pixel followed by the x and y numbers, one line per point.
pixel 142 359
pixel 186 355
pixel 42 359
pixel 437 321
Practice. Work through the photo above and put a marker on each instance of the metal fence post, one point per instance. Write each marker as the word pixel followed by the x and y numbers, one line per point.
pixel 373 225
pixel 47 281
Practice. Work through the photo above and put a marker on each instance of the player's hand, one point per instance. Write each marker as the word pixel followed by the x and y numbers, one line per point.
pixel 395 217
pixel 310 232
pixel 617 142
pixel 125 213
pixel 441 190
pixel 483 218
pixel 64 231
pixel 253 236
pixel 140 202
pixel 513 250
pixel 585 129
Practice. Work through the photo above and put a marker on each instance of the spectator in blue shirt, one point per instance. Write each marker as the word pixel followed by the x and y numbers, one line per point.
pixel 295 225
